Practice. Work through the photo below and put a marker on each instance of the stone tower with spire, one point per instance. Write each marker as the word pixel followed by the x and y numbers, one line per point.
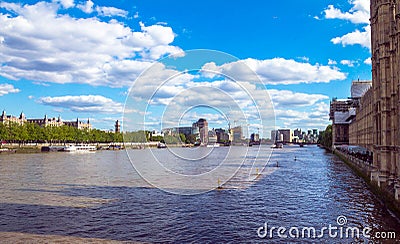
pixel 117 127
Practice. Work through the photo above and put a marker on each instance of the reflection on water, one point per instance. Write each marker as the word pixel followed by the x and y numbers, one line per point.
pixel 99 195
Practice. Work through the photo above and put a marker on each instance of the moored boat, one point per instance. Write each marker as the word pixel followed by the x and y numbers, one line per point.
pixel 7 150
pixel 79 148
pixel 161 145
pixel 52 148
pixel 213 145
pixel 277 145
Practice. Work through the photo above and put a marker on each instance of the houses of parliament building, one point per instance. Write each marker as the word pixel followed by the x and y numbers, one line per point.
pixel 372 121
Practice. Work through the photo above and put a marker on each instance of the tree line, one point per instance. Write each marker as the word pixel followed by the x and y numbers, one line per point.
pixel 33 133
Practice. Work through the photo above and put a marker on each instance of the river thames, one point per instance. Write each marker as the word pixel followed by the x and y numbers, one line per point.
pixel 99 197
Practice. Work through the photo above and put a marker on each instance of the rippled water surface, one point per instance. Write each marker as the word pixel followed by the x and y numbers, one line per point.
pixel 99 197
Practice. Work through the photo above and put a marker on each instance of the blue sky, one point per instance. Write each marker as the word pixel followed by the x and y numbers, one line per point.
pixel 79 58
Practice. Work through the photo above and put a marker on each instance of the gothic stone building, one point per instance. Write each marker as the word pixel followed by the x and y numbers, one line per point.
pixel 376 124
pixel 44 122
pixel 385 40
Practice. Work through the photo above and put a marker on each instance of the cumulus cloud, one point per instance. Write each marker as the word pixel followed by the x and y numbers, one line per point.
pixel 278 71
pixel 286 98
pixel 368 61
pixel 362 38
pixel 358 14
pixel 315 117
pixel 242 99
pixel 7 88
pixel 300 110
pixel 111 11
pixel 349 63
pixel 39 44
pixel 84 103
pixel 332 62
pixel 66 3
pixel 86 7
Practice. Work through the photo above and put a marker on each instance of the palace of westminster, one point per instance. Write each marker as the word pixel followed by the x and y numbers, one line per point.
pixel 371 117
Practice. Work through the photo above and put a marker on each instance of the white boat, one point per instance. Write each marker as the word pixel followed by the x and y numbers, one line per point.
pixel 79 148
pixel 277 145
pixel 161 145
pixel 213 145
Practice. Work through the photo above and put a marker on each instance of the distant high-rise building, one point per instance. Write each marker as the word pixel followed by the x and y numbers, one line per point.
pixel 274 136
pixel 237 134
pixel 222 135
pixel 212 137
pixel 202 126
pixel 281 135
pixel 254 137
pixel 286 135
pixel 297 132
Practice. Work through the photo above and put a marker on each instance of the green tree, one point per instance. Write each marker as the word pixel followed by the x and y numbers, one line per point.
pixel 325 137
pixel 182 137
pixel 157 138
pixel 191 138
pixel 172 139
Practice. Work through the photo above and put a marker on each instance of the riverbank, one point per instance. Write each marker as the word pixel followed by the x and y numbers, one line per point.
pixel 364 171
pixel 22 149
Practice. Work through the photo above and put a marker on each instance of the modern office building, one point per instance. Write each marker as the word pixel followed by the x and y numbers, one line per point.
pixel 237 134
pixel 281 135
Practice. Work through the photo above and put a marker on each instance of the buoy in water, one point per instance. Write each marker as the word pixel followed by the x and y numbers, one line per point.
pixel 219 184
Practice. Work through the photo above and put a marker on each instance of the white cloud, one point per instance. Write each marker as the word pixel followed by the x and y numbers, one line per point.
pixel 86 7
pixel 305 59
pixel 332 62
pixel 278 71
pixel 316 117
pixel 136 15
pixel 368 61
pixel 167 90
pixel 84 103
pixel 285 98
pixel 358 14
pixel 349 63
pixel 66 3
pixel 362 38
pixel 8 88
pixel 111 11
pixel 38 44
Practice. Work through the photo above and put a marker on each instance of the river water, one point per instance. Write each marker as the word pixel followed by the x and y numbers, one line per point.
pixel 99 197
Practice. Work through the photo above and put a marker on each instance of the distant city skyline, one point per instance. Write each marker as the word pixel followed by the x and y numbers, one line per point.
pixel 79 58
